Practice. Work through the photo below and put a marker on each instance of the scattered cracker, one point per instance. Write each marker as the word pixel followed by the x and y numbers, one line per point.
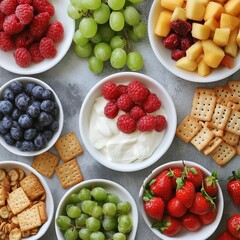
pixel 223 92
pixel 237 147
pixel 234 106
pixel 68 147
pixel 233 124
pixel 231 138
pixel 46 163
pixel 235 86
pixel 69 173
pixel 42 211
pixel 188 128
pixel 213 144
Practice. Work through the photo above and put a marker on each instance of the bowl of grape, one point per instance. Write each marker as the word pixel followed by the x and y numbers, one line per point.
pixel 96 209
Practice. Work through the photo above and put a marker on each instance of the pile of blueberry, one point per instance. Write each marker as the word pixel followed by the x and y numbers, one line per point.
pixel 28 116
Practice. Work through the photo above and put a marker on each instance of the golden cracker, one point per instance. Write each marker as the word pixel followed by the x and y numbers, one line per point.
pixel 235 86
pixel 237 147
pixel 231 138
pixel 223 92
pixel 233 124
pixel 42 211
pixel 213 144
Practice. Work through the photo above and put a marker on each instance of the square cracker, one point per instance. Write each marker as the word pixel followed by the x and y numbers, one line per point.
pixel 42 211
pixel 68 147
pixel 223 92
pixel 231 138
pixel 188 128
pixel 237 147
pixel 18 201
pixel 212 145
pixel 69 173
pixel 235 86
pixel 203 105
pixel 46 163
pixel 233 124
pixel 32 186
pixel 223 153
pixel 202 138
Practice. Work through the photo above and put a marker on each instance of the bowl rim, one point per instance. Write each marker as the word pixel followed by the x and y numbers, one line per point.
pixel 177 163
pixel 184 74
pixel 56 135
pixel 135 166
pixel 96 182
pixel 50 211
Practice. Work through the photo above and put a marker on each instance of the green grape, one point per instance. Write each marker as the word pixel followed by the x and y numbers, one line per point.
pixel 136 1
pixel 106 32
pixel 97 38
pixel 79 39
pixel 88 27
pixel 109 209
pixel 73 211
pixel 132 36
pixel 116 21
pixel 99 193
pixel 140 30
pixel 97 212
pixel 102 14
pixel 63 222
pixel 112 198
pixel 97 236
pixel 81 220
pixel 118 42
pixel 91 4
pixel 116 4
pixel 78 4
pixel 124 207
pixel 83 51
pixel 109 234
pixel 95 65
pixel 134 61
pixel 84 194
pixel 124 223
pixel 93 224
pixel 73 12
pixel 71 234
pixel 131 16
pixel 84 234
pixel 118 58
pixel 119 236
pixel 88 205
pixel 103 52
pixel 109 223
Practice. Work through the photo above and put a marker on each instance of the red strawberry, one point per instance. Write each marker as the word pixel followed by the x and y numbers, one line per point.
pixel 191 222
pixel 209 184
pixel 225 236
pixel 233 187
pixel 208 217
pixel 174 174
pixel 176 208
pixel 194 175
pixel 233 225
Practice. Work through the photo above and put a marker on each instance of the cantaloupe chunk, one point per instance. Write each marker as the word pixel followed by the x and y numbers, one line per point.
pixel 203 69
pixel 204 2
pixel 228 21
pixel 238 38
pixel 221 36
pixel 213 9
pixel 195 10
pixel 171 4
pixel 232 47
pixel 179 13
pixel 200 31
pixel 232 7
pixel 163 24
pixel 212 23
pixel 194 51
pixel 187 64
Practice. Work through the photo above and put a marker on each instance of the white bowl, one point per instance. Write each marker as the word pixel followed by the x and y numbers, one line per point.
pixel 49 199
pixel 62 47
pixel 60 119
pixel 164 55
pixel 110 187
pixel 206 230
pixel 167 104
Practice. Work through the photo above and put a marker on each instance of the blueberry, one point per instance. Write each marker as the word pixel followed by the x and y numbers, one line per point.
pixel 16 113
pixel 6 107
pixel 36 104
pixel 16 86
pixel 22 101
pixel 47 105
pixel 33 111
pixel 40 141
pixel 29 87
pixel 8 139
pixel 37 92
pixel 55 110
pixel 1 116
pixel 30 133
pixel 44 119
pixel 16 131
pixel 37 126
pixel 47 94
pixel 48 134
pixel 7 122
pixel 27 146
pixel 2 129
pixel 8 94
pixel 54 126
pixel 25 121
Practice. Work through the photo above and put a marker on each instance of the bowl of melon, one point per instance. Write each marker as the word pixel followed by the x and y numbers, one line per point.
pixel 197 41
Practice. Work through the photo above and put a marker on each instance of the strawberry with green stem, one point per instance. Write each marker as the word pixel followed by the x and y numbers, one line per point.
pixel 225 236
pixel 210 184
pixel 233 187
pixel 194 175
pixel 233 225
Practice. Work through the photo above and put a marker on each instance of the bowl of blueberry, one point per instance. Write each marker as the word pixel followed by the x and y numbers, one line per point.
pixel 31 116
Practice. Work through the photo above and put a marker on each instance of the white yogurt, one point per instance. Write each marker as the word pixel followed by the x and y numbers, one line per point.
pixel 118 146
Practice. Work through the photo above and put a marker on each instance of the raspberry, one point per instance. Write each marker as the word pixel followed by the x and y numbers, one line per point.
pixel 136 112
pixel 6 42
pixel 24 2
pixel 110 91
pixel 125 102
pixel 186 43
pixel 122 89
pixel 146 123
pixel 151 103
pixel 161 123
pixel 23 39
pixel 11 24
pixel 55 31
pixel 126 124
pixel 181 27
pixel 39 24
pixel 47 48
pixel 35 53
pixel 137 91
pixel 43 6
pixel 111 109
pixel 8 6
pixel 171 41
pixel 22 57
pixel 177 54
pixel 24 12
pixel 2 17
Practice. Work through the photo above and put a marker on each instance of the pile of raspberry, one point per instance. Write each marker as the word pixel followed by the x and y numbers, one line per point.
pixel 25 28
pixel 139 105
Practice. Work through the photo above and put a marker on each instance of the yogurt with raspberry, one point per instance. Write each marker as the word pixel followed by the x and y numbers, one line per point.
pixel 117 146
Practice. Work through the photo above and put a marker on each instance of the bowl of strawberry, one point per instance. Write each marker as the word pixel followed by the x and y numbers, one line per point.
pixel 181 200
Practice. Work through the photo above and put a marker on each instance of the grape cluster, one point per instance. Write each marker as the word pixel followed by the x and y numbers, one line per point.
pixel 94 214
pixel 105 30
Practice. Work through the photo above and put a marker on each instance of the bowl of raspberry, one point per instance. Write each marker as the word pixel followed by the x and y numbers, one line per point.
pixel 127 121
pixel 31 116
pixel 34 35
pixel 181 200
pixel 196 41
